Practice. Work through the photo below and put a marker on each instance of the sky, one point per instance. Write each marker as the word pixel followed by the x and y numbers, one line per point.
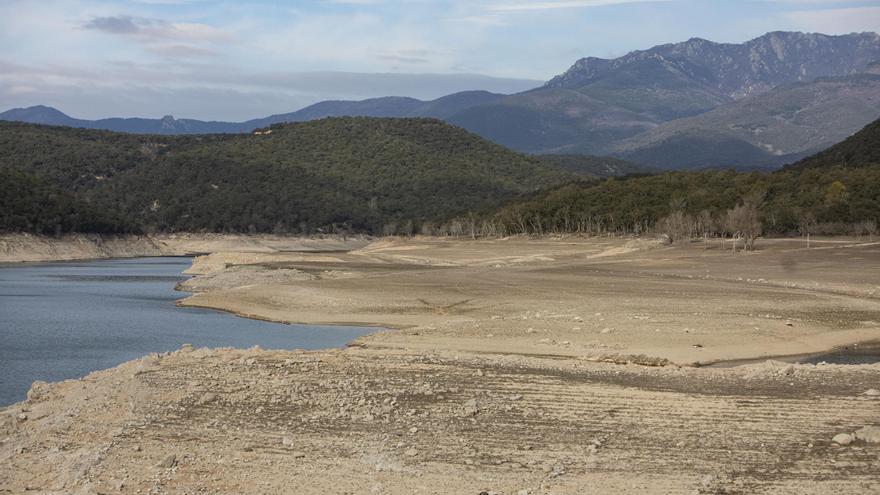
pixel 236 60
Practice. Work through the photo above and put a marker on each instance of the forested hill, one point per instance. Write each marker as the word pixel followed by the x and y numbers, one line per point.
pixel 832 192
pixel 862 149
pixel 344 174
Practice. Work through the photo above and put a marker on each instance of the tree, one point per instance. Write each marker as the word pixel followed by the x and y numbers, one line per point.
pixel 806 223
pixel 744 219
pixel 677 224
pixel 871 228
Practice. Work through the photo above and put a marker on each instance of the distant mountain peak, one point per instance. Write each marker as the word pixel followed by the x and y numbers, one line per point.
pixel 736 70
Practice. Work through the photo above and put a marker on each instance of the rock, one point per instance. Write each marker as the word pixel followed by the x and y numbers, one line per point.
pixel 413 430
pixel 168 462
pixel 872 392
pixel 298 455
pixel 868 434
pixel 22 417
pixel 471 408
pixel 287 441
pixel 789 324
pixel 411 452
pixel 186 348
pixel 842 439
pixel 37 391
pixel 207 398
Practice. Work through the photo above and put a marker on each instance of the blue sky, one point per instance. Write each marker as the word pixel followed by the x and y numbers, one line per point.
pixel 234 60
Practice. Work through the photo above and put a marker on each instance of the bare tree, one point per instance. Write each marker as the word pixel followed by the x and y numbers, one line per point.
pixel 677 224
pixel 745 219
pixel 806 223
pixel 706 224
pixel 871 228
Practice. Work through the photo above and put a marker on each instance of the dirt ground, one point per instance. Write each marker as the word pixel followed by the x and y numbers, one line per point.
pixel 515 366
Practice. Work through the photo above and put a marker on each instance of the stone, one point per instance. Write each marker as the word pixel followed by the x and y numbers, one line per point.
pixel 411 452
pixel 287 441
pixel 872 392
pixel 298 455
pixel 168 462
pixel 842 439
pixel 471 408
pixel 868 434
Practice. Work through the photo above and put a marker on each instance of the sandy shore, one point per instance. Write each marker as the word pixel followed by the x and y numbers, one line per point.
pixel 500 374
pixel 626 300
pixel 16 248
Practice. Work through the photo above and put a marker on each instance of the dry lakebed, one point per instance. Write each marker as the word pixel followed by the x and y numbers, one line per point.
pixel 507 366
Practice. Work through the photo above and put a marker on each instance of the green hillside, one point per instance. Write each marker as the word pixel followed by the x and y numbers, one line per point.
pixel 862 149
pixel 352 174
pixel 835 191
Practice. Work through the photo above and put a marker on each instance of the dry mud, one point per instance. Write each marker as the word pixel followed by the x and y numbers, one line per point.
pixel 499 375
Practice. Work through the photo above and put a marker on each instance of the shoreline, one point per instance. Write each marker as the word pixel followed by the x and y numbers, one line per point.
pixel 508 366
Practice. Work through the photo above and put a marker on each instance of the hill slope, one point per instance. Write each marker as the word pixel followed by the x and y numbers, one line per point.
pixel 859 150
pixel 768 130
pixel 597 103
pixel 391 106
pixel 836 188
pixel 358 174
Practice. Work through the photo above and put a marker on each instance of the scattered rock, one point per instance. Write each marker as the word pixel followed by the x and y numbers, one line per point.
pixel 471 408
pixel 38 391
pixel 168 462
pixel 842 439
pixel 868 434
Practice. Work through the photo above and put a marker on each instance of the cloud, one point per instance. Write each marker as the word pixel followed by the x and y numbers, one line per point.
pixel 560 4
pixel 836 20
pixel 182 51
pixel 146 29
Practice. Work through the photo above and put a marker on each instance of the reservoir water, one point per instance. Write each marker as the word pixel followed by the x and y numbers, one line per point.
pixel 64 320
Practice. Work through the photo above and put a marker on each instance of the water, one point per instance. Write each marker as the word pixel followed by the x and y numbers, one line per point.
pixel 64 320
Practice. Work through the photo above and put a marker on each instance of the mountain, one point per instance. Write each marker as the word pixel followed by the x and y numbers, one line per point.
pixel 597 102
pixel 862 149
pixel 835 190
pixel 693 104
pixel 591 166
pixel 392 106
pixel 166 125
pixel 732 70
pixel 766 130
pixel 355 174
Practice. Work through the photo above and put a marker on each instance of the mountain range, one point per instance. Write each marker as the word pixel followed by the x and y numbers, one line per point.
pixel 695 104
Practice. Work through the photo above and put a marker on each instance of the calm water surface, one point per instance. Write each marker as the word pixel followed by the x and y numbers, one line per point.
pixel 64 320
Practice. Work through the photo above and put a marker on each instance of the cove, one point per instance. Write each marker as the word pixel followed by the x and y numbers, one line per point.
pixel 64 320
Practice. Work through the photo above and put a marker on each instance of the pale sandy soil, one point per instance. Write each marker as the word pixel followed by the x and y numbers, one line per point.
pixel 16 248
pixel 575 297
pixel 492 380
